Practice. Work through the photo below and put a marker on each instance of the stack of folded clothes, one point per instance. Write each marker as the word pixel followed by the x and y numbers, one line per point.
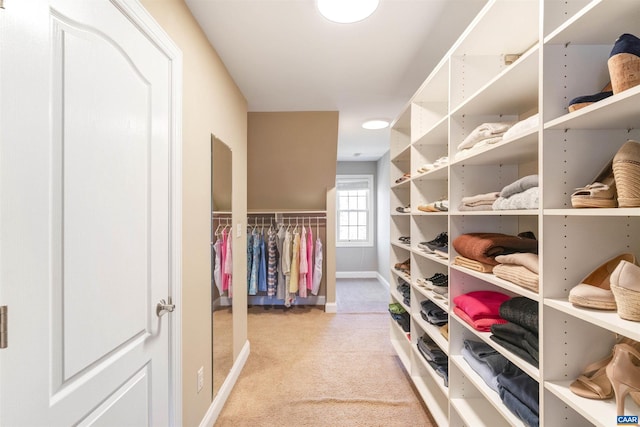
pixel 481 136
pixel 477 251
pixel 520 394
pixel 432 313
pixel 517 390
pixel 405 290
pixel 519 268
pixel 400 315
pixel 522 127
pixel 436 358
pixel 485 361
pixel 479 202
pixel 520 332
pixel 480 309
pixel 523 193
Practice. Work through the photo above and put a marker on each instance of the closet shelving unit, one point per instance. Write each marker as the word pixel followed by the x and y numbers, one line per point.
pixel 563 48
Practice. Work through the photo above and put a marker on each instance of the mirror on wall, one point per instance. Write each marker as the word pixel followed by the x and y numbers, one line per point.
pixel 221 226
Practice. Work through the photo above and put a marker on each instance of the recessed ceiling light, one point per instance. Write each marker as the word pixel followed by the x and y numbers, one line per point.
pixel 375 124
pixel 347 11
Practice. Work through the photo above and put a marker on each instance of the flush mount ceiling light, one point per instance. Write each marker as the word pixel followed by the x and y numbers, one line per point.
pixel 347 11
pixel 375 124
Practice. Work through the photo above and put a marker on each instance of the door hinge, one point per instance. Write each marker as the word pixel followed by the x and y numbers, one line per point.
pixel 3 324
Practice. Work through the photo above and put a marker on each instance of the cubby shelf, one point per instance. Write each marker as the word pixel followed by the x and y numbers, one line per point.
pixel 472 85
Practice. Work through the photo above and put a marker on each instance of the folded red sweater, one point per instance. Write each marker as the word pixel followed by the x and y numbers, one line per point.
pixel 481 304
pixel 482 324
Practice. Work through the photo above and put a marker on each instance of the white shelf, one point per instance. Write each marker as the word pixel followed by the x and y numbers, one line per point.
pixel 473 85
pixel 476 412
pixel 601 413
pixel 586 27
pixel 604 319
pixel 487 392
pixel 433 375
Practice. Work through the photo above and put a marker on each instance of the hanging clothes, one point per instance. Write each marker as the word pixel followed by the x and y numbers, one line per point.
pixel 317 269
pixel 217 265
pixel 287 253
pixel 223 258
pixel 272 262
pixel 249 255
pixel 281 289
pixel 255 263
pixel 310 258
pixel 302 283
pixel 262 269
pixel 295 263
pixel 228 267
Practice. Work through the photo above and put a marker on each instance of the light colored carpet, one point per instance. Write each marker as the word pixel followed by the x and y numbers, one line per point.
pixel 310 368
pixel 361 296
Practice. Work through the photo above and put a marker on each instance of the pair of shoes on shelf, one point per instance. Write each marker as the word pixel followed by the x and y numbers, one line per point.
pixel 624 71
pixel 437 206
pixel 405 240
pixel 617 184
pixel 405 209
pixel 403 266
pixel 614 285
pixel 403 178
pixel 441 241
pixel 438 279
pixel 594 382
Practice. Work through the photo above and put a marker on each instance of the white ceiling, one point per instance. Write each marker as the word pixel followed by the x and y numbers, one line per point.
pixel 285 56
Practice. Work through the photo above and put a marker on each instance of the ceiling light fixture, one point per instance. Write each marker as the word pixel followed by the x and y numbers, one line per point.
pixel 347 11
pixel 375 124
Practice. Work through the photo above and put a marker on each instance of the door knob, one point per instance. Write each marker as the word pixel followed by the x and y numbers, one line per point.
pixel 164 307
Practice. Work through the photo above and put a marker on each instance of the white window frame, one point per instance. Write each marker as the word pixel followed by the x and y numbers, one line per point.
pixel 370 214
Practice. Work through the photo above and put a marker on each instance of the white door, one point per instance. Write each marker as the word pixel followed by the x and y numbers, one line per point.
pixel 87 230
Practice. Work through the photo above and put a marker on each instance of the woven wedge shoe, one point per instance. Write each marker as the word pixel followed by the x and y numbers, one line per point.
pixel 624 63
pixel 625 285
pixel 626 171
pixel 594 291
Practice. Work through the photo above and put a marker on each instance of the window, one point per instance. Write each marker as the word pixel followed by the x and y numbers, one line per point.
pixel 354 195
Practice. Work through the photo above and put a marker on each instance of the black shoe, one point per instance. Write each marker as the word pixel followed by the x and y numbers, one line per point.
pixel 440 241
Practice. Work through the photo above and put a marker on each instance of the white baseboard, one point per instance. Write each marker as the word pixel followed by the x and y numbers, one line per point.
pixel 356 274
pixel 225 390
pixel 331 307
pixel 382 280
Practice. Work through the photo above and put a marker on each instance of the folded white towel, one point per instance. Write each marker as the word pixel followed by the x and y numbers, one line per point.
pixel 528 199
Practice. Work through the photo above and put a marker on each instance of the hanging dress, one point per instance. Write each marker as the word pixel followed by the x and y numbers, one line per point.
pixel 281 285
pixel 255 263
pixel 262 270
pixel 295 263
pixel 272 262
pixel 310 259
pixel 286 266
pixel 317 269
pixel 228 267
pixel 302 283
pixel 223 258
pixel 217 267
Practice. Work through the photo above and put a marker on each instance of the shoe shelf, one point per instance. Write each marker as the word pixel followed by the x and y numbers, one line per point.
pixel 437 299
pixel 432 331
pixel 601 413
pixel 562 53
pixel 498 282
pixel 519 80
pixel 484 389
pixel 401 343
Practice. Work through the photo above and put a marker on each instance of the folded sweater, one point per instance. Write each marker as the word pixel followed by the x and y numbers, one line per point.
pixel 482 132
pixel 484 247
pixel 479 304
pixel 519 185
pixel 522 311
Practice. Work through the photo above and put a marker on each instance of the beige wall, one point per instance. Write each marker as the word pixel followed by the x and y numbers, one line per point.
pixel 291 159
pixel 212 104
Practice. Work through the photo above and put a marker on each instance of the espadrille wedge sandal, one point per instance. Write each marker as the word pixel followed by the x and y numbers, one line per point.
pixel 626 171
pixel 586 100
pixel 594 291
pixel 601 193
pixel 624 63
pixel 625 285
